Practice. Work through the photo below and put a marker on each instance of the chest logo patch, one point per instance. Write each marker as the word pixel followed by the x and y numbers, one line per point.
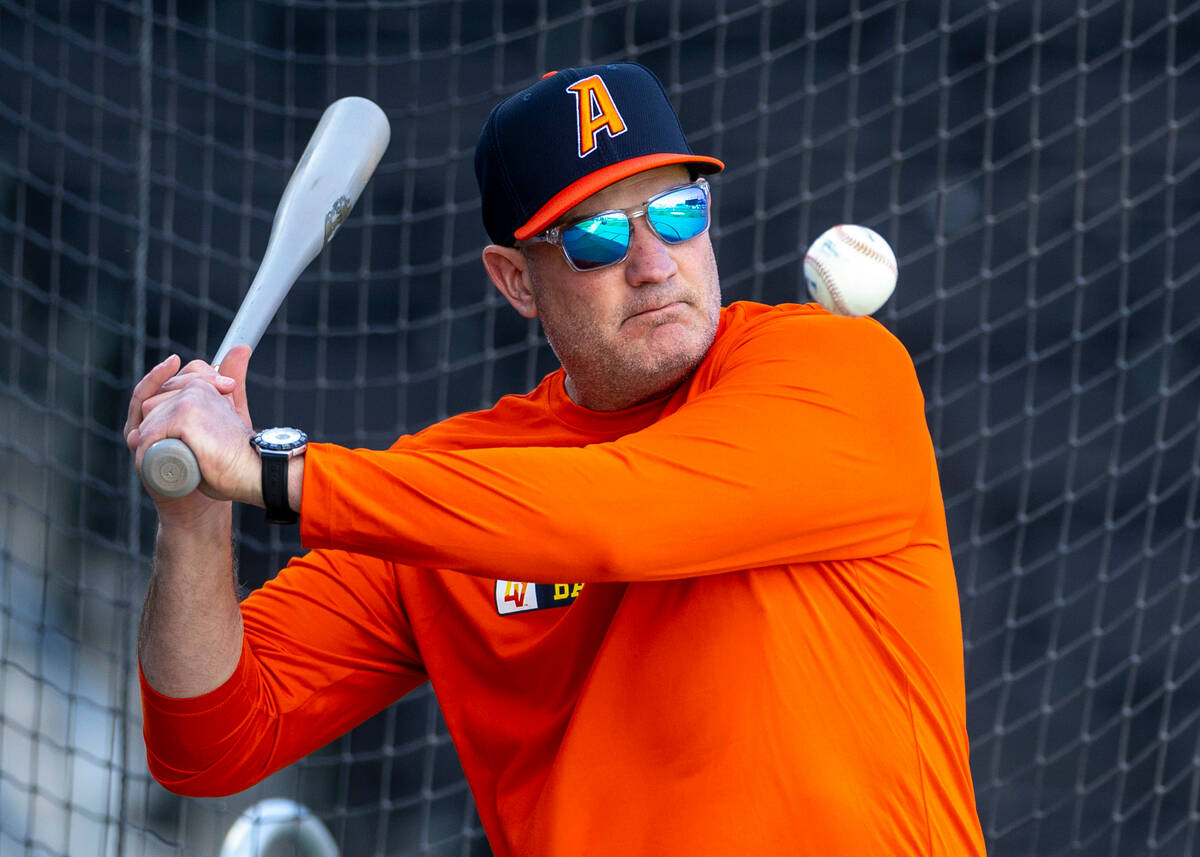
pixel 513 596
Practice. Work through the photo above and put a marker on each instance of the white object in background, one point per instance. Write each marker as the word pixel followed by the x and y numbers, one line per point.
pixel 850 270
pixel 278 819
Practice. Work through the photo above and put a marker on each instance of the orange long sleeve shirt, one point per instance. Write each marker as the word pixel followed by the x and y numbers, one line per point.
pixel 721 622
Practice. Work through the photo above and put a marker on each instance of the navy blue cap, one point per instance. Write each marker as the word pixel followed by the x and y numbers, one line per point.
pixel 545 149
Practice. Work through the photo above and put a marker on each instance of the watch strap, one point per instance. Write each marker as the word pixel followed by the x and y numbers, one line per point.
pixel 275 488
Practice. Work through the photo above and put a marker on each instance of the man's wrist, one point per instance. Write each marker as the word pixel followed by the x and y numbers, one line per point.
pixel 187 519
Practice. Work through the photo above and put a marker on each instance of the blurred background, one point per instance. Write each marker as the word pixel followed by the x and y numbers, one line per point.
pixel 1034 164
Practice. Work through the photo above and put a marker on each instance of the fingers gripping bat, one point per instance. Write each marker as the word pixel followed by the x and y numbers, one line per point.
pixel 337 163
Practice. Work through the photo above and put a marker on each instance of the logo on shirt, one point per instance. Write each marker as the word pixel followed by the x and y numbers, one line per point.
pixel 513 596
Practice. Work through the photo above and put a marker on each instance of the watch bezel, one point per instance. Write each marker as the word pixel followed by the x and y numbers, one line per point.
pixel 280 439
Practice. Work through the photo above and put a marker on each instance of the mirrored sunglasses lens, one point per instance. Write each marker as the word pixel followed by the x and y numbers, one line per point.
pixel 679 215
pixel 596 242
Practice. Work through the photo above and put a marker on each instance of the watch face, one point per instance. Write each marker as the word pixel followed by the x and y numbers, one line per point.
pixel 281 438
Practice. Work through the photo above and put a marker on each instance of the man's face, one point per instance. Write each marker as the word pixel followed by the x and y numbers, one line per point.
pixel 633 330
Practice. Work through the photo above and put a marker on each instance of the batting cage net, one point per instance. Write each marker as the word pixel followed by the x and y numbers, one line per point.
pixel 1035 165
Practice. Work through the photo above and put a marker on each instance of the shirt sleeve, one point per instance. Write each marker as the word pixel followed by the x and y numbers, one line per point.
pixel 326 645
pixel 807 442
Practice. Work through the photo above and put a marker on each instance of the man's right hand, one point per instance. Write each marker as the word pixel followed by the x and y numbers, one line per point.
pixel 165 389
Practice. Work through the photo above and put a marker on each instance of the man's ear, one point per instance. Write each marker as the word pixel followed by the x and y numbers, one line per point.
pixel 509 271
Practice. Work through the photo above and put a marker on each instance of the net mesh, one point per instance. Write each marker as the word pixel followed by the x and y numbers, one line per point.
pixel 1034 164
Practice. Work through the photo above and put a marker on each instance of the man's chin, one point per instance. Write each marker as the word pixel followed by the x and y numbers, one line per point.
pixel 675 353
pixel 680 336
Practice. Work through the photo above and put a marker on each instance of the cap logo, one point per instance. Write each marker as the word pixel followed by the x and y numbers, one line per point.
pixel 596 112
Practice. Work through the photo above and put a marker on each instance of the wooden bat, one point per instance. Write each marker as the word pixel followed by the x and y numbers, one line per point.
pixel 338 161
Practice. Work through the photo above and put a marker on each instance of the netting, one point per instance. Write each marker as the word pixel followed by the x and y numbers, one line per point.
pixel 1035 164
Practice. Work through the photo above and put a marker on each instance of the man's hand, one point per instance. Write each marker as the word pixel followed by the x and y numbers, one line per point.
pixel 207 409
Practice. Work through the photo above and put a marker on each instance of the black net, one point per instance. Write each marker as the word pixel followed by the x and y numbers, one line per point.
pixel 1035 165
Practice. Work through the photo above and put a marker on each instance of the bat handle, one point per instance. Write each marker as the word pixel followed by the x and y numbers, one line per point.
pixel 169 468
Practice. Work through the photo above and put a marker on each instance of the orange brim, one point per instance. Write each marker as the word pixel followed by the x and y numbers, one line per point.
pixel 577 192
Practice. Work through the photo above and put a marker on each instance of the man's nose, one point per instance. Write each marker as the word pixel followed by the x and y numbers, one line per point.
pixel 649 260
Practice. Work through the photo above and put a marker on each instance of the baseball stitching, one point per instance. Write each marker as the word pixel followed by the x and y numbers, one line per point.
pixel 865 249
pixel 830 284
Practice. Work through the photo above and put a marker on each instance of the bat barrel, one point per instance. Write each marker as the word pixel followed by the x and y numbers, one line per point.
pixel 336 165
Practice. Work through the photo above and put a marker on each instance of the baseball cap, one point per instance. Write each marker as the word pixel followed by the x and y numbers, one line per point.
pixel 545 149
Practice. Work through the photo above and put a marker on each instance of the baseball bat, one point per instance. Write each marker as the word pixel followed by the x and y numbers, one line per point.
pixel 336 164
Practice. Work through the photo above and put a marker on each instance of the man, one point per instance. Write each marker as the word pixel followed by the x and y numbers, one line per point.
pixel 690 595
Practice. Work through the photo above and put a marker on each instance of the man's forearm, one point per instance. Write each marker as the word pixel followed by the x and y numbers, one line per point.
pixel 191 631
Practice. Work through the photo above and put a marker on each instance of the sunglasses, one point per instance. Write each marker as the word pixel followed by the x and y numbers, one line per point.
pixel 603 239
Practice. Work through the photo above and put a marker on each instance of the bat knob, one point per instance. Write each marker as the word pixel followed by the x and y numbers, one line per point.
pixel 169 468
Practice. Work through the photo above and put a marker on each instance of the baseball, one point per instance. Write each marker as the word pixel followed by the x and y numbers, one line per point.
pixel 850 270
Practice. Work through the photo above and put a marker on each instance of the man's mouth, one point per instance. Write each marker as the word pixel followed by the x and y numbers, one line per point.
pixel 657 308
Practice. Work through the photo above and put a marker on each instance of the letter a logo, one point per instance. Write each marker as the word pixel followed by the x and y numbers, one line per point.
pixel 596 112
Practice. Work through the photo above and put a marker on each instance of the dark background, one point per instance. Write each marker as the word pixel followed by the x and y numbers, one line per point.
pixel 1033 163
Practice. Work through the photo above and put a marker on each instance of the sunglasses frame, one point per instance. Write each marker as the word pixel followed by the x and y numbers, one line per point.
pixel 553 235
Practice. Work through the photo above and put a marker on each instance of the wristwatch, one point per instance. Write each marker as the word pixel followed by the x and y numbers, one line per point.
pixel 276 446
